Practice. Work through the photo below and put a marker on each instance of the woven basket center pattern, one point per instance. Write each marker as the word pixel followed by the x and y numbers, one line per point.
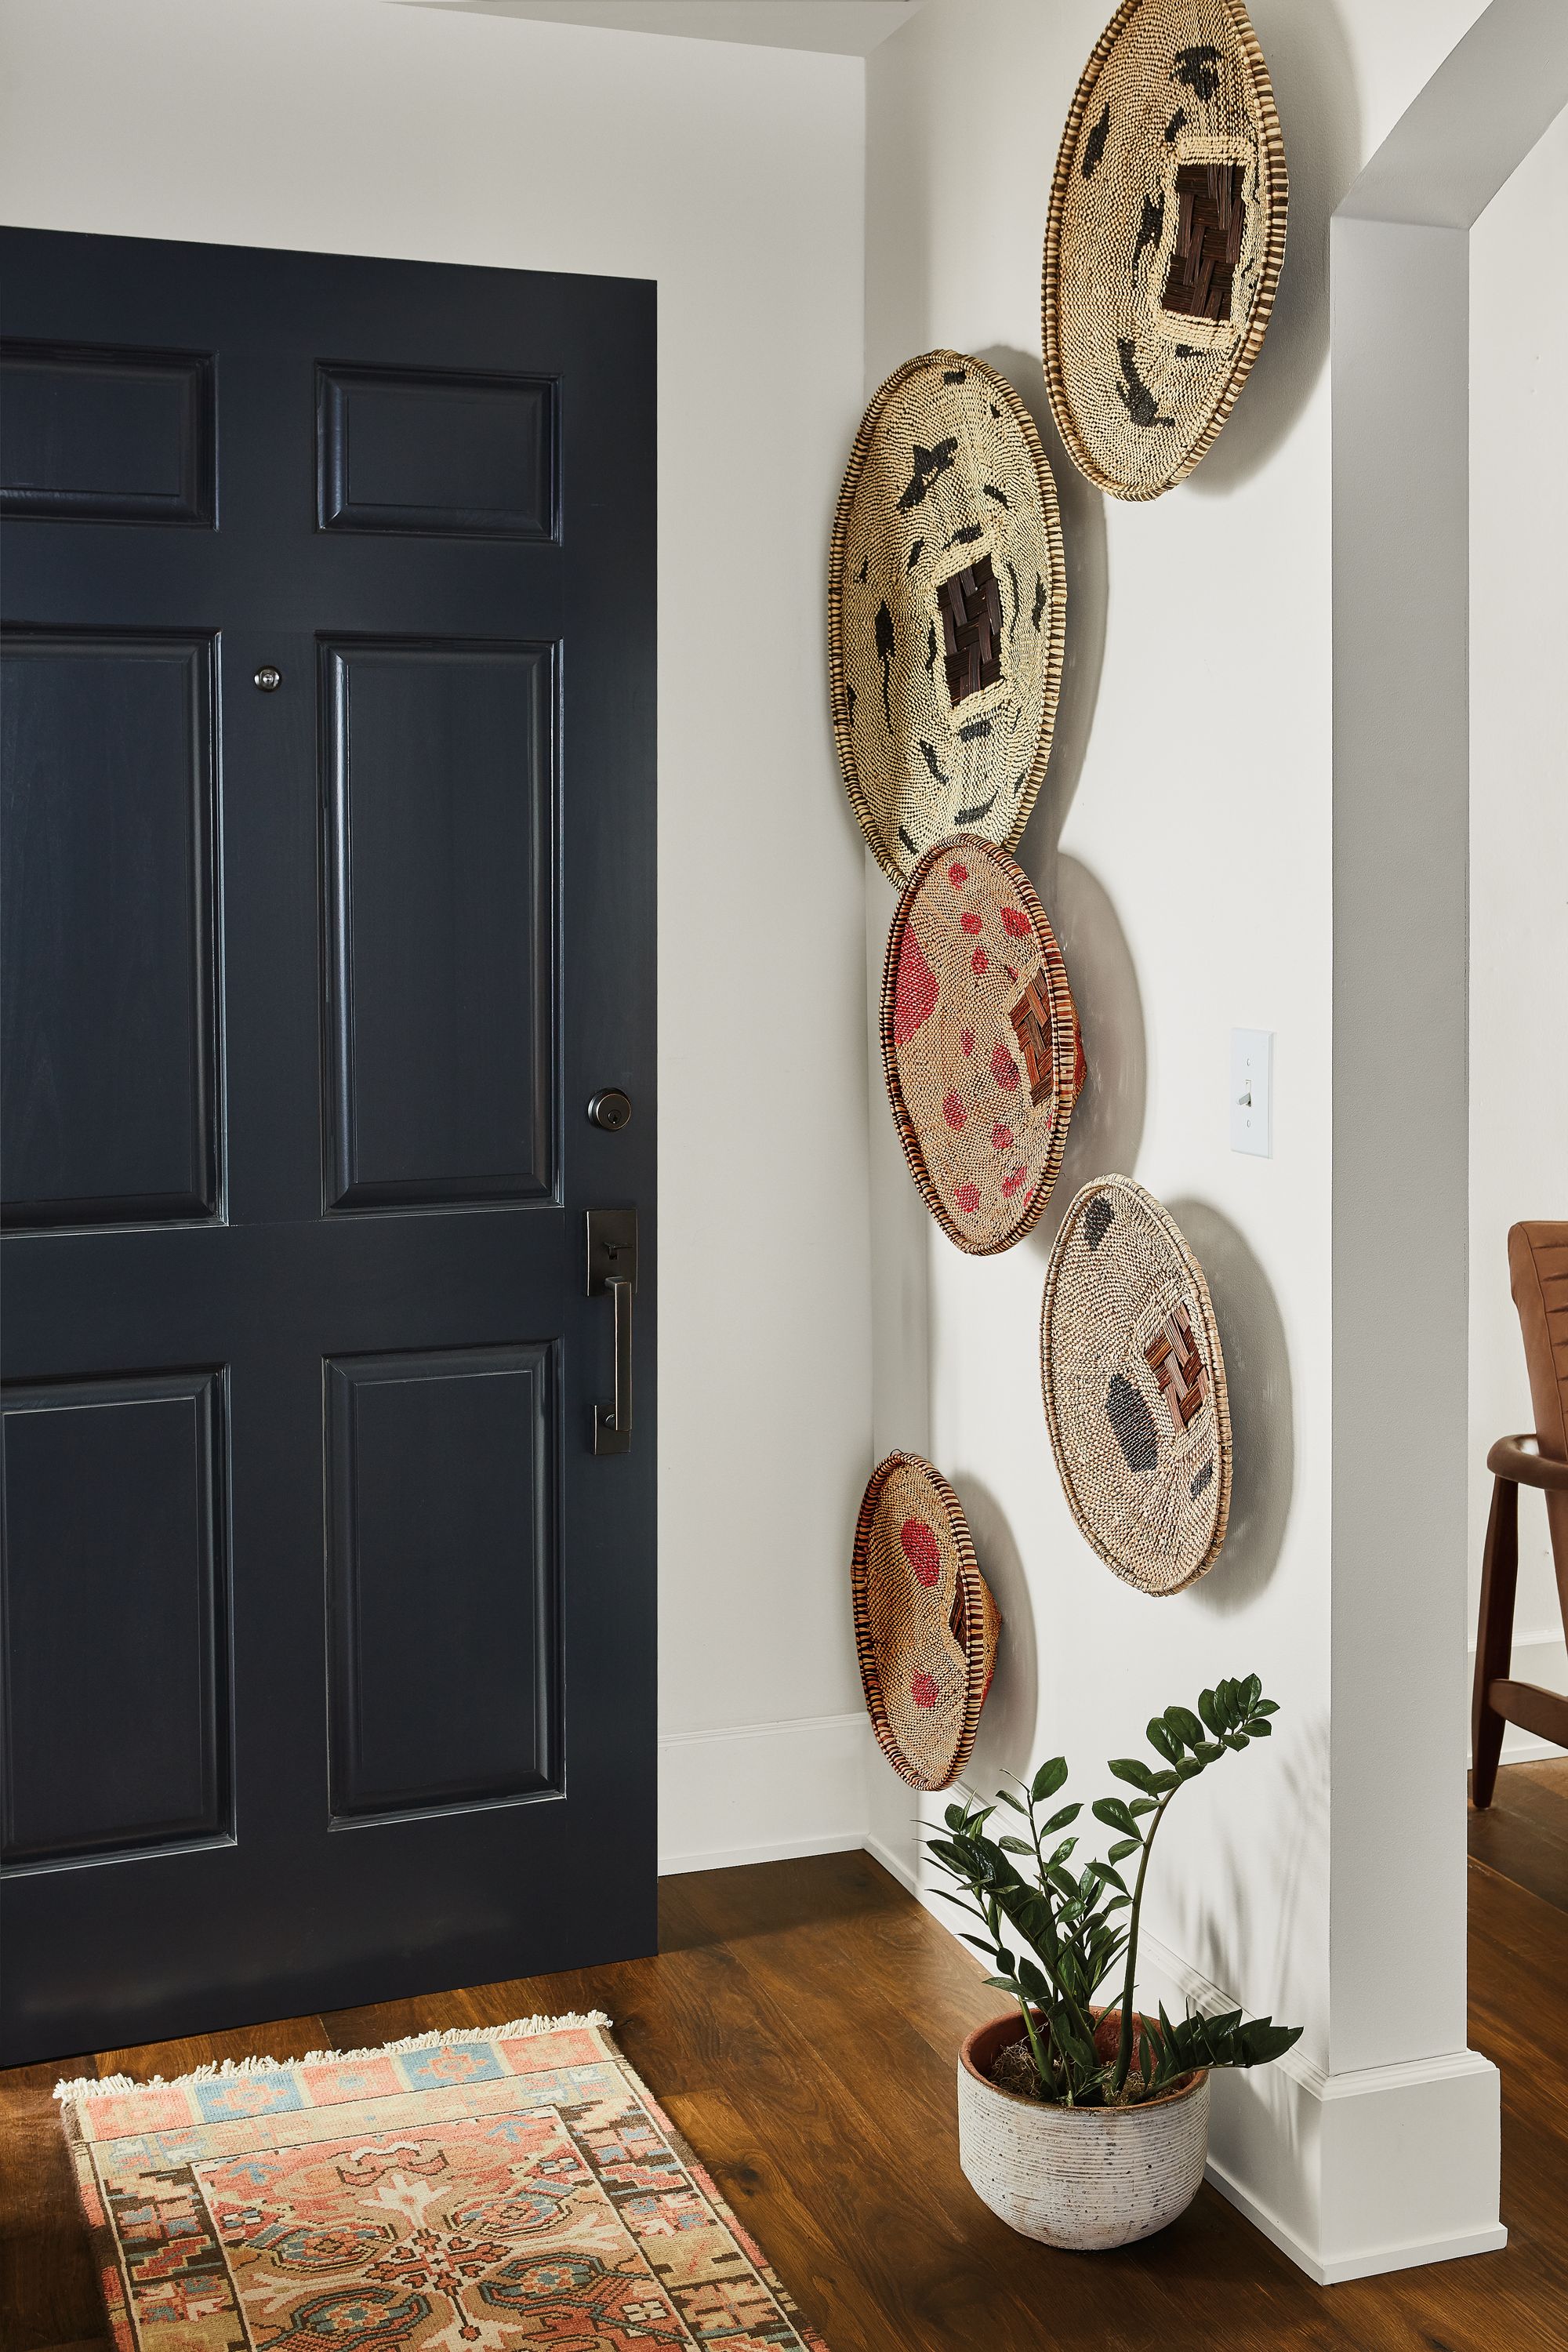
pixel 980 1035
pixel 1165 241
pixel 911 1597
pixel 946 611
pixel 926 1627
pixel 1135 1389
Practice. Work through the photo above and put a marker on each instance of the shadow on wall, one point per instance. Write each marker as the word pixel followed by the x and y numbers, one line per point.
pixel 1314 82
pixel 1006 1735
pixel 1218 1926
pixel 1088 581
pixel 1262 1412
pixel 1108 1126
pixel 1107 1129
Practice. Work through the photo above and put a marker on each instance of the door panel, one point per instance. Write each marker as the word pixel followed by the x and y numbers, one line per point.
pixel 439 1472
pixel 463 456
pixel 115 1616
pixel 109 1095
pixel 306 993
pixel 107 436
pixel 441 799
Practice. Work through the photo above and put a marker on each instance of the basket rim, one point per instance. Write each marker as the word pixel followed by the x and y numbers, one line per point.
pixel 1271 157
pixel 975 1594
pixel 1222 1467
pixel 1064 1046
pixel 1056 643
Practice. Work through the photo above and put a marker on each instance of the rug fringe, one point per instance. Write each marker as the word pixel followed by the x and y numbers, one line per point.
pixel 521 2029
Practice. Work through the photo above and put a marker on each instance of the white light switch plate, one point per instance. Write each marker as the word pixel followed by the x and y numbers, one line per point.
pixel 1252 1091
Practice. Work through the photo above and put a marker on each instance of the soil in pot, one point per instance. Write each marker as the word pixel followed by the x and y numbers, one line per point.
pixel 1012 2067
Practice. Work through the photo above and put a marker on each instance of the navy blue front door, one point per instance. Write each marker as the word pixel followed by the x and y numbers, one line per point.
pixel 328 1639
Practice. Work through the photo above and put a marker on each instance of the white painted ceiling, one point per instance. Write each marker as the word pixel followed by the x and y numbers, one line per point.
pixel 846 28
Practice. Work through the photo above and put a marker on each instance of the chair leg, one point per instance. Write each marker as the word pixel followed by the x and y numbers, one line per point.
pixel 1494 1637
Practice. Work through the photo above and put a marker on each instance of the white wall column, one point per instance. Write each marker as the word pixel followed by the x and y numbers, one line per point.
pixel 1413 2171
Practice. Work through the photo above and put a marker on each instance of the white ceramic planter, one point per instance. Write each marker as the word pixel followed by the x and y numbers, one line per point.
pixel 1080 2177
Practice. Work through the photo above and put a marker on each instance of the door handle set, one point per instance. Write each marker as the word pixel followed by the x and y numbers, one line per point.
pixel 613 1273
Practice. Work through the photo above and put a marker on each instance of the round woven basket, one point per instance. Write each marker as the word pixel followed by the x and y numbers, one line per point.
pixel 1134 1388
pixel 1164 241
pixel 946 599
pixel 925 1623
pixel 980 1042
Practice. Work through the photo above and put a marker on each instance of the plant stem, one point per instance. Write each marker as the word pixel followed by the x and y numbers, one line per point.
pixel 1039 1850
pixel 1079 2020
pixel 1124 2045
pixel 1035 2052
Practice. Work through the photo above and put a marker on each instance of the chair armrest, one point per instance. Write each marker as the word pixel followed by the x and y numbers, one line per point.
pixel 1515 1458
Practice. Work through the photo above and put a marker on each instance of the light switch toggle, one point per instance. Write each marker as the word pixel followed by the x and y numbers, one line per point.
pixel 1251 1092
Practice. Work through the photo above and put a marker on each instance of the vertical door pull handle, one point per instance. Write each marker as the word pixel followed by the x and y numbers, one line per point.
pixel 612 1270
pixel 613 1422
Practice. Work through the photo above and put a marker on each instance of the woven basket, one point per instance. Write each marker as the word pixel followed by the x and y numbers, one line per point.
pixel 980 1042
pixel 1087 2178
pixel 1164 242
pixel 925 1623
pixel 945 609
pixel 1134 1388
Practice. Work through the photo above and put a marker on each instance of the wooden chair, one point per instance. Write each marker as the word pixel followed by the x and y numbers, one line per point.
pixel 1537 1268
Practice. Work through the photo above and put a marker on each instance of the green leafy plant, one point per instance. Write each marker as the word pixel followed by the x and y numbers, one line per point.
pixel 1055 1935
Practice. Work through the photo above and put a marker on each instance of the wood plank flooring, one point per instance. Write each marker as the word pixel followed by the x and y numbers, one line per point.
pixel 1524 1834
pixel 799 2024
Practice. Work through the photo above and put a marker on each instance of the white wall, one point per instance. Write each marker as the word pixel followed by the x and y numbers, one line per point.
pixel 1519 831
pixel 734 176
pixel 1154 826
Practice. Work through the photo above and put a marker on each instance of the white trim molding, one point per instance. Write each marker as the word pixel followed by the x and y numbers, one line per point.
pixel 761 1793
pixel 896 1867
pixel 1352 2174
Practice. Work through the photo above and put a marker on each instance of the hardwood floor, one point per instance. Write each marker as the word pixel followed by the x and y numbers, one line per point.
pixel 1524 1834
pixel 801 2024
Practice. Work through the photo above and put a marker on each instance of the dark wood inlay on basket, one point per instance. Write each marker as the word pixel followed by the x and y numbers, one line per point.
pixel 1210 217
pixel 1031 1019
pixel 970 608
pixel 1173 1357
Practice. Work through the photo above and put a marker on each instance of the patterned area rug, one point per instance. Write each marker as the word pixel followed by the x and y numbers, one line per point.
pixel 498 2189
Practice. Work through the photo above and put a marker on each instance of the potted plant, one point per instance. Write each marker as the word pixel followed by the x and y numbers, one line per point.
pixel 1079 2124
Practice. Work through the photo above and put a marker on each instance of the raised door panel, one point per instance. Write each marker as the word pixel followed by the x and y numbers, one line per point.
pixel 461 455
pixel 109 1089
pixel 441 1578
pixel 439 798
pixel 96 435
pixel 114 1631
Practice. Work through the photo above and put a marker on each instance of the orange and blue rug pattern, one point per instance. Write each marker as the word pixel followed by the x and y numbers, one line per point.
pixel 500 2190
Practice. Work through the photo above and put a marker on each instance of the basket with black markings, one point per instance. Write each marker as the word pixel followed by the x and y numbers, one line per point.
pixel 1134 1388
pixel 1164 242
pixel 945 610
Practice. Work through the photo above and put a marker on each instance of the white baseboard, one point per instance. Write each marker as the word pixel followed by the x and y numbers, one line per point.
pixel 736 1857
pixel 1366 2264
pixel 1349 2175
pixel 894 1864
pixel 1542 1659
pixel 761 1793
pixel 1354 2174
